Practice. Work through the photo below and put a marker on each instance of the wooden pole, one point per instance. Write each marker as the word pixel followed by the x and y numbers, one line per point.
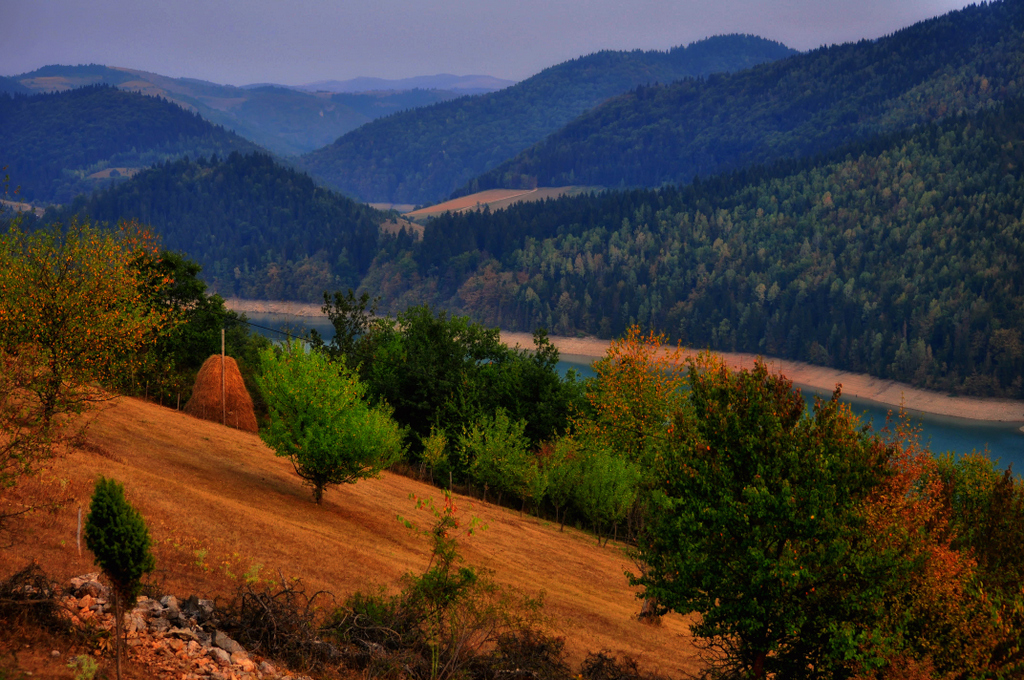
pixel 223 401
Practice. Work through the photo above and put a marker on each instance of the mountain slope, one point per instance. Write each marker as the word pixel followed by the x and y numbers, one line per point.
pixel 260 230
pixel 420 156
pixel 958 62
pixel 63 144
pixel 902 257
pixel 283 120
pixel 221 507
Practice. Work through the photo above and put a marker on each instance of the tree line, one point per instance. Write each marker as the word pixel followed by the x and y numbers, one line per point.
pixel 898 258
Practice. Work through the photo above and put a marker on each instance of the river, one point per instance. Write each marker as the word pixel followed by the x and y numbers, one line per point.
pixel 1003 442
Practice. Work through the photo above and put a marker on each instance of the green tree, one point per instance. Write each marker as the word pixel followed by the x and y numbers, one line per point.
pixel 755 524
pixel 497 454
pixel 321 421
pixel 117 536
pixel 606 489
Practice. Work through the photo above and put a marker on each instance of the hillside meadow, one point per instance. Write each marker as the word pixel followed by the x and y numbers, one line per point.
pixel 220 506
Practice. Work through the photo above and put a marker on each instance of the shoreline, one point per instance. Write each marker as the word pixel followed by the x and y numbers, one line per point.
pixel 806 376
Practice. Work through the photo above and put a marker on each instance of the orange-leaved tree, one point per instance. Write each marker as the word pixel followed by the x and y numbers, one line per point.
pixel 74 297
pixel 74 309
pixel 639 385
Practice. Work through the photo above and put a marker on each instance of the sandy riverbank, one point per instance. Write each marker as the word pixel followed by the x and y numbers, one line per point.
pixel 855 385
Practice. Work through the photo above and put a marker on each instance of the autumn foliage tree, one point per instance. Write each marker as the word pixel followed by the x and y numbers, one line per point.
pixel 74 312
pixel 74 298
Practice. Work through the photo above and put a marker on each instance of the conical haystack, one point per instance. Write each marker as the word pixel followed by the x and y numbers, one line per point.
pixel 205 402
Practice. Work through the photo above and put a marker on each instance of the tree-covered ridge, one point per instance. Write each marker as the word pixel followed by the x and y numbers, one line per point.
pixel 259 230
pixel 902 260
pixel 962 61
pixel 53 142
pixel 281 119
pixel 422 155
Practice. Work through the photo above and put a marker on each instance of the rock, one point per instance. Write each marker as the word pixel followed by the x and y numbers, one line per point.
pixel 86 602
pixel 267 668
pixel 226 643
pixel 55 654
pixel 183 634
pixel 159 624
pixel 147 607
pixel 173 611
pixel 220 656
pixel 238 658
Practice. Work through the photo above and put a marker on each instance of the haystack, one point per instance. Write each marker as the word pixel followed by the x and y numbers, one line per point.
pixel 206 404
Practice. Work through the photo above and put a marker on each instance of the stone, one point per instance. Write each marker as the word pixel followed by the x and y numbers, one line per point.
pixel 238 657
pixel 267 668
pixel 220 656
pixel 159 624
pixel 226 643
pixel 55 654
pixel 183 634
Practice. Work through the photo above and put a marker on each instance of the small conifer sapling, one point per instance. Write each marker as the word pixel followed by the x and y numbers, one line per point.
pixel 116 534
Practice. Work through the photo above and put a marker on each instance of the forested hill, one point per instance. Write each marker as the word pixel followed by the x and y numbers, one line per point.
pixel 260 230
pixel 11 86
pixel 281 119
pixel 961 61
pixel 421 156
pixel 53 143
pixel 903 259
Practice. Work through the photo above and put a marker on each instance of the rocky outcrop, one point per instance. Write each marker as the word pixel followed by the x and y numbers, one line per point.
pixel 180 637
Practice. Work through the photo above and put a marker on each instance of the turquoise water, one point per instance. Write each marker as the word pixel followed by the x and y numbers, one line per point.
pixel 1003 441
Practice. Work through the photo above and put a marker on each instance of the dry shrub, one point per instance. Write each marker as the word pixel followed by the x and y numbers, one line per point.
pixel 29 597
pixel 282 623
pixel 206 395
pixel 604 666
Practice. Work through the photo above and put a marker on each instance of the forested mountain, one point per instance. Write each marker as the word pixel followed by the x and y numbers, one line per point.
pixel 422 155
pixel 281 119
pixel 902 258
pixel 258 229
pixel 60 145
pixel 959 62
pixel 11 86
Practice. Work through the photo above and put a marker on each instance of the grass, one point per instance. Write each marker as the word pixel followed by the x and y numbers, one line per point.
pixel 218 502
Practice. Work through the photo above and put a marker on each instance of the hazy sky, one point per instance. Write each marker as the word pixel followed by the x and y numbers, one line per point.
pixel 298 41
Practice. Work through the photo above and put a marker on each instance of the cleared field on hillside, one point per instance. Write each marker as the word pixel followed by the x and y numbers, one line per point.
pixel 219 503
pixel 495 199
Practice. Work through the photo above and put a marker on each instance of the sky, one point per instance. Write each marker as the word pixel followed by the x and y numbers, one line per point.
pixel 293 42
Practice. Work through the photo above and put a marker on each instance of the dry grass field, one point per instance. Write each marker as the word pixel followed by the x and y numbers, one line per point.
pixel 220 504
pixel 495 199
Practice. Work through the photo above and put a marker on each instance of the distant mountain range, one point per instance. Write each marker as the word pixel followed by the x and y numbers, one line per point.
pixel 442 81
pixel 422 155
pixel 281 119
pixel 962 61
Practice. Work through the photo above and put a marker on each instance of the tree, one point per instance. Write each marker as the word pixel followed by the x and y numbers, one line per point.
pixel 74 310
pixel 321 421
pixel 755 524
pixel 498 455
pixel 76 299
pixel 117 536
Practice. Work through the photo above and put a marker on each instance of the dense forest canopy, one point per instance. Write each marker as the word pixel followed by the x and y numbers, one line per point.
pixel 259 230
pixel 51 143
pixel 900 257
pixel 422 155
pixel 962 61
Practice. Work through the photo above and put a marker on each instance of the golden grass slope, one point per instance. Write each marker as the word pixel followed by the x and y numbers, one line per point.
pixel 219 503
